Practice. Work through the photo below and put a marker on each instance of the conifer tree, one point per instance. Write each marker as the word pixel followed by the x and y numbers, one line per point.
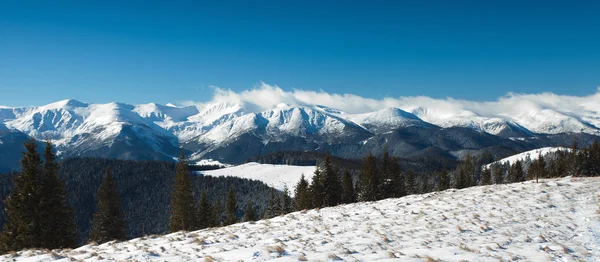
pixel 182 199
pixel 486 177
pixel 466 173
pixel 109 221
pixel 393 182
pixel 231 207
pixel 332 186
pixel 23 226
pixel 443 181
pixel 219 210
pixel 498 174
pixel 515 173
pixel 348 195
pixel 58 225
pixel 369 180
pixel 250 214
pixel 273 205
pixel 316 190
pixel 301 197
pixel 205 214
pixel 410 183
pixel 285 201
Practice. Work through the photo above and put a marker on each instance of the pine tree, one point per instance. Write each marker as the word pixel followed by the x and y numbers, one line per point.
pixel 393 182
pixel 250 214
pixel 205 215
pixel 410 184
pixel 498 174
pixel 273 205
pixel 285 201
pixel 109 221
pixel 486 177
pixel 23 226
pixel 348 195
pixel 231 207
pixel 301 197
pixel 182 199
pixel 443 181
pixel 466 173
pixel 316 190
pixel 332 186
pixel 369 180
pixel 58 226
pixel 219 210
pixel 515 173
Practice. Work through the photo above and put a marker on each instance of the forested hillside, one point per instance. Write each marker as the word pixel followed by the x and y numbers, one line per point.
pixel 145 188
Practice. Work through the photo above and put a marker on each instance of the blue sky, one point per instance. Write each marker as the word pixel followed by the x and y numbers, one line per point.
pixel 138 52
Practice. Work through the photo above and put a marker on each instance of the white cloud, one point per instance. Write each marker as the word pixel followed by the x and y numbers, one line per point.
pixel 264 97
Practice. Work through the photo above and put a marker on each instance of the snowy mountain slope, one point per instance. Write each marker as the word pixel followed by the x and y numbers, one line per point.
pixel 386 120
pixel 277 176
pixel 532 155
pixel 233 131
pixel 555 220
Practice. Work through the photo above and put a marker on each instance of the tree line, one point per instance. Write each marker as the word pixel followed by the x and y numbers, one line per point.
pixel 43 210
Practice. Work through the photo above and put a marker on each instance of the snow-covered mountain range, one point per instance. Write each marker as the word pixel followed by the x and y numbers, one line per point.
pixel 232 131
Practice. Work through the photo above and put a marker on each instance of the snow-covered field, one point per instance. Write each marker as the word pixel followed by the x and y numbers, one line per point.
pixel 531 154
pixel 555 220
pixel 277 176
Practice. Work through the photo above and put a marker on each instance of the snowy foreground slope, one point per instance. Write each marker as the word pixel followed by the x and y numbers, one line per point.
pixel 277 176
pixel 553 220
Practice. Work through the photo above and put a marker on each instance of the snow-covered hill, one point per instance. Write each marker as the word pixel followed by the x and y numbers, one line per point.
pixel 277 176
pixel 532 155
pixel 555 220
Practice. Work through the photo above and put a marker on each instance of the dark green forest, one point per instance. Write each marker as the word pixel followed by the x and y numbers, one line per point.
pixel 145 189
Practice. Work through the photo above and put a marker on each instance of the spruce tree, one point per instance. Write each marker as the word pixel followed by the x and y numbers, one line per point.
pixel 369 180
pixel 486 177
pixel 182 199
pixel 219 210
pixel 250 214
pixel 466 173
pixel 393 182
pixel 316 190
pixel 515 173
pixel 498 174
pixel 23 225
pixel 285 201
pixel 443 181
pixel 58 225
pixel 231 207
pixel 332 186
pixel 273 205
pixel 205 215
pixel 109 220
pixel 410 185
pixel 348 195
pixel 301 197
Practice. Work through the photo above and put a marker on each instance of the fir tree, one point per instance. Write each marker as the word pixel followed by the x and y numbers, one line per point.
pixel 369 180
pixel 466 173
pixel 410 183
pixel 273 205
pixel 182 199
pixel 486 177
pixel 498 174
pixel 109 221
pixel 301 197
pixel 205 215
pixel 285 201
pixel 58 225
pixel 231 207
pixel 316 190
pixel 393 182
pixel 219 210
pixel 443 181
pixel 348 195
pixel 332 187
pixel 250 214
pixel 515 173
pixel 23 226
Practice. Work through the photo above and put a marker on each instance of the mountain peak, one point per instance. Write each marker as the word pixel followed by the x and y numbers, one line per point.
pixel 67 103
